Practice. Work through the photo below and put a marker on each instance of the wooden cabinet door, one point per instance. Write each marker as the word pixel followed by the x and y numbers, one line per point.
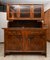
pixel 12 12
pixel 14 40
pixel 35 41
pixel 25 11
pixel 18 12
pixel 38 11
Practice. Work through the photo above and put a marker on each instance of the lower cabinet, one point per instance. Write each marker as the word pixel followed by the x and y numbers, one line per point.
pixel 24 40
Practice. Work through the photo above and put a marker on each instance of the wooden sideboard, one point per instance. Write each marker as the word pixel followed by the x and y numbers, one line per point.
pixel 29 40
pixel 25 32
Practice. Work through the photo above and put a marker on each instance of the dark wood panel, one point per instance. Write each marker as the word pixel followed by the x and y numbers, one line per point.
pixel 25 40
pixel 13 40
pixel 47 22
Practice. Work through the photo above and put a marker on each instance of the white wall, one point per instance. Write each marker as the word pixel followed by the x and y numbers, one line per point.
pixel 3 24
pixel 23 1
pixel 46 6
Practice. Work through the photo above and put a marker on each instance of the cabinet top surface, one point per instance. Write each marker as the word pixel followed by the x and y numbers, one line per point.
pixel 25 4
pixel 26 28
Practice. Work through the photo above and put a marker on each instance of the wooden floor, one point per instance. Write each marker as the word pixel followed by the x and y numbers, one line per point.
pixel 24 57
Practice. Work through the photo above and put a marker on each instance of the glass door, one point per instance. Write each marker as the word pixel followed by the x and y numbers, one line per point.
pixel 24 11
pixel 37 11
pixel 13 11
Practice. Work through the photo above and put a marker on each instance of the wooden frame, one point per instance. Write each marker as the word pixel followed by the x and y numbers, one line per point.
pixel 33 39
pixel 31 12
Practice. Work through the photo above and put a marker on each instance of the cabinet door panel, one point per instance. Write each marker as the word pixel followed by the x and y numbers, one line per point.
pixel 24 11
pixel 24 8
pixel 35 42
pixel 37 11
pixel 13 11
pixel 13 8
pixel 14 41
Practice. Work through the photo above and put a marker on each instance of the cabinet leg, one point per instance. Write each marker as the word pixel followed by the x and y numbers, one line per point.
pixel 4 54
pixel 45 55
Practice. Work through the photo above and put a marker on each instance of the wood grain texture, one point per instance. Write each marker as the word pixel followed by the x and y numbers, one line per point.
pixel 25 40
pixel 47 22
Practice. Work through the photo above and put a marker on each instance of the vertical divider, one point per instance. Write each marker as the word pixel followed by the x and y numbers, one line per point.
pixel 23 39
pixel 12 14
pixel 31 11
pixel 18 13
pixel 8 11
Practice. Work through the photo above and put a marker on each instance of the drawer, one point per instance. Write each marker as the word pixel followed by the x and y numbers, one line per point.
pixel 13 32
pixel 35 32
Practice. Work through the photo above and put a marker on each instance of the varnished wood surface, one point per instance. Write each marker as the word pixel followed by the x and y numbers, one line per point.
pixel 25 40
pixel 47 22
pixel 22 39
pixel 31 17
pixel 26 28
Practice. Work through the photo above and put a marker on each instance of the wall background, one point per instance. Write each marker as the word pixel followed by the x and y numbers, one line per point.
pixel 23 1
pixel 3 24
pixel 46 6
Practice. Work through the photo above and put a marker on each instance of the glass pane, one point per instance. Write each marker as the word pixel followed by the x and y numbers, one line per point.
pixel 13 8
pixel 25 8
pixel 25 15
pixel 37 11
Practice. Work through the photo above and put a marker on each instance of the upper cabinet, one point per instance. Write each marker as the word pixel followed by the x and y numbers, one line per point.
pixel 25 12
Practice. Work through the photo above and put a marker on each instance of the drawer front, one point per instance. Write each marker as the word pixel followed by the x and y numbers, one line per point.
pixel 13 32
